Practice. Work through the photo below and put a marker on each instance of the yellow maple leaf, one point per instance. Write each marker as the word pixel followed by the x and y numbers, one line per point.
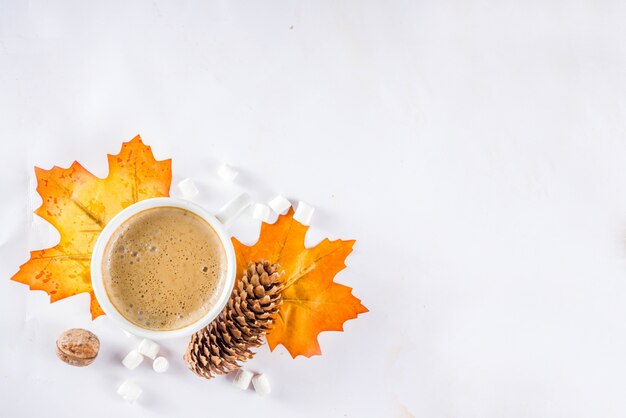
pixel 312 301
pixel 79 204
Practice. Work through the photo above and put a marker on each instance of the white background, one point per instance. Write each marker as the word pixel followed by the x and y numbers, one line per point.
pixel 475 149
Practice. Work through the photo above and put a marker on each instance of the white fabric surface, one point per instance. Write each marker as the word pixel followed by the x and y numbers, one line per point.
pixel 475 149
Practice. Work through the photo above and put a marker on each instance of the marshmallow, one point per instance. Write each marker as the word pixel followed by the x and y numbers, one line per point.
pixel 132 360
pixel 188 188
pixel 148 348
pixel 279 204
pixel 129 391
pixel 304 213
pixel 227 173
pixel 261 212
pixel 242 379
pixel 261 384
pixel 160 364
pixel 233 209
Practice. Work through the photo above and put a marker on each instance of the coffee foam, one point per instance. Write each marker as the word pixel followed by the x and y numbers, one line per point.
pixel 164 268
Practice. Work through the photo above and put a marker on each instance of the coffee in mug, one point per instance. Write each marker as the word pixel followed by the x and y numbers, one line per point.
pixel 164 268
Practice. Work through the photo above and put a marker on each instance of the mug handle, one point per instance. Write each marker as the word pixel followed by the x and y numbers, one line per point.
pixel 231 210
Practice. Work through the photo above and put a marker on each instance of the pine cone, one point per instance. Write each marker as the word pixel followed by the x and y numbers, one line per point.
pixel 249 315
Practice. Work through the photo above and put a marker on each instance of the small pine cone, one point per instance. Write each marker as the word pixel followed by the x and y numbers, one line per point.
pixel 219 347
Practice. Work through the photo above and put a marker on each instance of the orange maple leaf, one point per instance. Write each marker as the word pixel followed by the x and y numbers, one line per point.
pixel 79 204
pixel 312 302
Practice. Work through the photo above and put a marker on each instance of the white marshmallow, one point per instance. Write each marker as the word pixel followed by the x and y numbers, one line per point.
pixel 132 360
pixel 261 384
pixel 280 204
pixel 129 391
pixel 233 209
pixel 304 213
pixel 160 364
pixel 148 348
pixel 261 212
pixel 242 379
pixel 227 173
pixel 188 188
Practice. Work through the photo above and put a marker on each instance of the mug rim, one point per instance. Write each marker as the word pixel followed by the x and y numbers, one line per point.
pixel 97 279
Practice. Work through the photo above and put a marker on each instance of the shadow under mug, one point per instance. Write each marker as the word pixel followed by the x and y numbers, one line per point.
pixel 219 222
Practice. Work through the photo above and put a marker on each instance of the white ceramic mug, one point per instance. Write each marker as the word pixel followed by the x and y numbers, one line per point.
pixel 218 222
